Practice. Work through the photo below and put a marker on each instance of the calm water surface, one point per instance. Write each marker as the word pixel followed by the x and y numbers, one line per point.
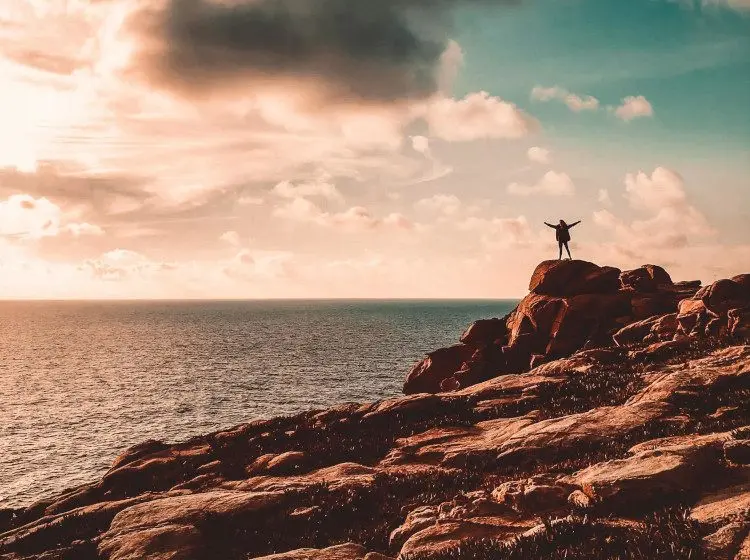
pixel 79 382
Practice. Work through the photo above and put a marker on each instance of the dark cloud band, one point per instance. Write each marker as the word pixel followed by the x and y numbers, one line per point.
pixel 373 50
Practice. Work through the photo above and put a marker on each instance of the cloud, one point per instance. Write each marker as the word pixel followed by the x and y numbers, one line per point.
pixel 122 264
pixel 451 62
pixel 663 188
pixel 420 144
pixel 668 219
pixel 446 204
pixel 250 200
pixel 356 218
pixel 84 228
pixel 437 170
pixel 538 155
pixel 741 5
pixel 575 102
pixel 319 187
pixel 603 197
pixel 231 237
pixel 552 183
pixel 633 107
pixel 499 233
pixel 24 217
pixel 477 116
pixel 250 265
pixel 370 51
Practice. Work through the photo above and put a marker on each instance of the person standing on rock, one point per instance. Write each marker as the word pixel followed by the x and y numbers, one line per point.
pixel 562 234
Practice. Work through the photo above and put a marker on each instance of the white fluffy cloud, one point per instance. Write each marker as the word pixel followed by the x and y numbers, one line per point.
pixel 538 155
pixel 633 107
pixel 552 183
pixel 663 188
pixel 477 116
pixel 668 219
pixel 231 237
pixel 24 217
pixel 575 102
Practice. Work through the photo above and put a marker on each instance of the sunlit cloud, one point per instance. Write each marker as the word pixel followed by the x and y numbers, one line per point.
pixel 539 155
pixel 633 107
pixel 574 101
pixel 552 183
pixel 477 116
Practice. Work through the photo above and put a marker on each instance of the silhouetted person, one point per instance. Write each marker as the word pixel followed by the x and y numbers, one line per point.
pixel 562 234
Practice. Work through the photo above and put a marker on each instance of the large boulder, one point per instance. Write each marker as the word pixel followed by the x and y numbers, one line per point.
pixel 723 295
pixel 588 319
pixel 536 315
pixel 427 375
pixel 646 279
pixel 657 328
pixel 572 278
pixel 485 332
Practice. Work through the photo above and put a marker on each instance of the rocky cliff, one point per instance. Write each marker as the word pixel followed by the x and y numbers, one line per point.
pixel 606 417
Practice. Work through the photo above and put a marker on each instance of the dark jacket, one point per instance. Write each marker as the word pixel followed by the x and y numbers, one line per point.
pixel 562 232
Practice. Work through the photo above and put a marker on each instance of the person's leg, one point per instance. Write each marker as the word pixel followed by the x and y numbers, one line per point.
pixel 559 243
pixel 568 250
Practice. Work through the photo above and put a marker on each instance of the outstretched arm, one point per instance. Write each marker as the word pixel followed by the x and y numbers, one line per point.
pixel 574 224
pixel 549 225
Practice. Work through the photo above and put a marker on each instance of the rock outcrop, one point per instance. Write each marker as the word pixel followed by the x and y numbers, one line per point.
pixel 577 305
pixel 631 445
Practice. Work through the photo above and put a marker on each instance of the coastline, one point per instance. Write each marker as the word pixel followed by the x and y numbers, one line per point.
pixel 640 442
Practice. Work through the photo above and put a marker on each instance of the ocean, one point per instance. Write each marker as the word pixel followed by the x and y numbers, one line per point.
pixel 82 381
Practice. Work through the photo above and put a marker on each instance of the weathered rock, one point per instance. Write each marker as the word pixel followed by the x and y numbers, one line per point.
pixel 572 278
pixel 431 530
pixel 169 528
pixel 655 472
pixel 138 451
pixel 348 551
pixel 743 553
pixel 723 506
pixel 738 324
pixel 737 452
pixel 662 327
pixel 646 279
pixel 723 295
pixel 536 495
pixel 722 543
pixel 426 376
pixel 485 332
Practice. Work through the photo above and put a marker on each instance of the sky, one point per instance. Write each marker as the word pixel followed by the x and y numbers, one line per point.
pixel 358 149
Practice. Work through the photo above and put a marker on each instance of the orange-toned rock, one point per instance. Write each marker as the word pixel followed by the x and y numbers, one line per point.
pixel 485 332
pixel 723 295
pixel 738 323
pixel 347 551
pixel 427 375
pixel 573 277
pixel 646 279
